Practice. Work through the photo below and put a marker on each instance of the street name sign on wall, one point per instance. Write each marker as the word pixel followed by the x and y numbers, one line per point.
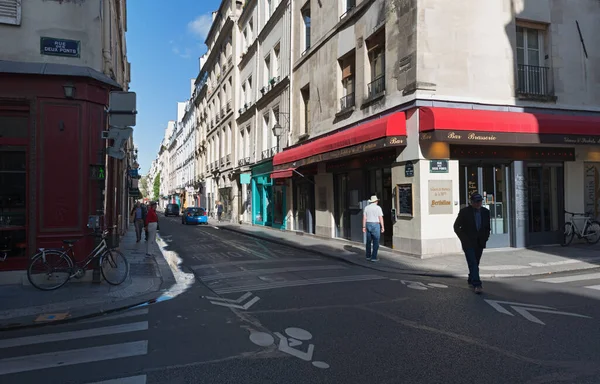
pixel 60 47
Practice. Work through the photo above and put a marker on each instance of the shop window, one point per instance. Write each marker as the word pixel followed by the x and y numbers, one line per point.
pixel 13 186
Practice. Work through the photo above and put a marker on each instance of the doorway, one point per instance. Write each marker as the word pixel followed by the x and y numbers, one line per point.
pixel 491 181
pixel 379 182
pixel 349 193
pixel 304 206
pixel 546 203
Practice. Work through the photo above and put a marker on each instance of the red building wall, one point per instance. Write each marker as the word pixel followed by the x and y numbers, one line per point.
pixel 64 140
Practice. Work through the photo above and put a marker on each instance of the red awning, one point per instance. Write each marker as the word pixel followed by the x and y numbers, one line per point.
pixel 454 119
pixel 282 173
pixel 391 125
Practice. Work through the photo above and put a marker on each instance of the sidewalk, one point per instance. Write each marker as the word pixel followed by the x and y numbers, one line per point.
pixel 496 263
pixel 24 305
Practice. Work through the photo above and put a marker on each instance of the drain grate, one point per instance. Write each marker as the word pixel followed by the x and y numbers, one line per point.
pixel 142 270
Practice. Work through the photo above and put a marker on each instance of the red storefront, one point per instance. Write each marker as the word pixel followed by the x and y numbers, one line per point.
pixel 50 143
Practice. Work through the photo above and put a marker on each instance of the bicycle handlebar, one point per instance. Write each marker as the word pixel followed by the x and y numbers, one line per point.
pixel 578 214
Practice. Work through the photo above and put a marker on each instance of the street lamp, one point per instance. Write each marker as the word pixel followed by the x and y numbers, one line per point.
pixel 277 131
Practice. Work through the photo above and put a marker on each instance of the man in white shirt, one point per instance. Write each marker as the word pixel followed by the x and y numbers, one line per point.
pixel 373 227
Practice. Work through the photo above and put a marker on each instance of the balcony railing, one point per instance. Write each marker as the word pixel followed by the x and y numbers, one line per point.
pixel 376 87
pixel 244 161
pixel 347 102
pixel 267 153
pixel 534 81
pixel 222 161
pixel 228 159
pixel 229 106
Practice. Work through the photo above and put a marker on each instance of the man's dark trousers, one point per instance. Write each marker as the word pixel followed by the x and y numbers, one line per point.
pixel 473 256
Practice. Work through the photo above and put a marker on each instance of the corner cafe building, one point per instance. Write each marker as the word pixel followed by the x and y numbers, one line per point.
pixel 425 162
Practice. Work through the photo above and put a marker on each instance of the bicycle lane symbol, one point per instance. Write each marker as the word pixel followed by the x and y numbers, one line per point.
pixel 295 337
pixel 421 286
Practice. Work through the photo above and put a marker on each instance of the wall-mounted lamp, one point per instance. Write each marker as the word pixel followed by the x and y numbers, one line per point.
pixel 69 90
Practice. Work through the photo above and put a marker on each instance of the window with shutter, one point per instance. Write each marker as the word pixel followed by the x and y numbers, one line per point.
pixel 10 12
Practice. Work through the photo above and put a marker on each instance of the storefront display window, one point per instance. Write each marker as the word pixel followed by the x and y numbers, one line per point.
pixel 260 203
pixel 13 186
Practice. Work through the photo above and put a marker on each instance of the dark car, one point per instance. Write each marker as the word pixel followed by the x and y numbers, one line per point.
pixel 172 210
pixel 194 215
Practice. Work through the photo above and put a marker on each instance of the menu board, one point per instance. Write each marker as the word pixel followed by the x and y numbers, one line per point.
pixel 405 199
pixel 472 188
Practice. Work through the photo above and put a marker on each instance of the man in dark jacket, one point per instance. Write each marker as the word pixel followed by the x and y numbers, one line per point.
pixel 472 226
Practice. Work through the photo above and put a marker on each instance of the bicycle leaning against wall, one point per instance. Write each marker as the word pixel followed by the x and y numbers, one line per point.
pixel 50 269
pixel 588 228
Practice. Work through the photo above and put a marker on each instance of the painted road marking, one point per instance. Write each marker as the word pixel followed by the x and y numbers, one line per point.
pixel 525 309
pixel 234 303
pixel 231 305
pixel 125 380
pixel 129 313
pixel 72 357
pixel 270 271
pixel 52 317
pixel 227 263
pixel 567 279
pixel 597 287
pixel 74 335
pixel 298 283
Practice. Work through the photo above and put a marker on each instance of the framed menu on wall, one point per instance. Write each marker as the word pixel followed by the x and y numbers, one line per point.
pixel 404 200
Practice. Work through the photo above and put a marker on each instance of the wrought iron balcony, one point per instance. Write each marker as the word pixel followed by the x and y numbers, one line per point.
pixel 267 153
pixel 229 106
pixel 347 102
pixel 534 81
pixel 228 159
pixel 376 87
pixel 222 161
pixel 244 161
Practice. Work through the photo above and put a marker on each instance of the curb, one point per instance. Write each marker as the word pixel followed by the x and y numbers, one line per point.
pixel 80 313
pixel 333 256
pixel 167 279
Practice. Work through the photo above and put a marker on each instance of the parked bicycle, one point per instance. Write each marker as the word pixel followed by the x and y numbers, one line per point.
pixel 55 267
pixel 590 229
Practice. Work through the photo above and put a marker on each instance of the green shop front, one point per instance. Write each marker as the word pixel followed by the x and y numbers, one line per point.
pixel 268 197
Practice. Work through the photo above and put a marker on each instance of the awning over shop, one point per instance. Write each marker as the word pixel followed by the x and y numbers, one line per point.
pixel 388 131
pixel 496 127
pixel 283 173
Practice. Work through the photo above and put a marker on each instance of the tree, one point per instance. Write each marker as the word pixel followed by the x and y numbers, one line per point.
pixel 156 186
pixel 144 186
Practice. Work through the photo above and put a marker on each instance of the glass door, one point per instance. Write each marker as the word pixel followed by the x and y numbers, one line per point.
pixel 342 217
pixel 491 181
pixel 546 203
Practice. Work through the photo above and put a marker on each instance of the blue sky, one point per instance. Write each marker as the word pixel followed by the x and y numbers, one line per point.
pixel 164 42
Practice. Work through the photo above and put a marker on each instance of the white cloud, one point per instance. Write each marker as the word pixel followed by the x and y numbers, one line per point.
pixel 200 26
pixel 186 54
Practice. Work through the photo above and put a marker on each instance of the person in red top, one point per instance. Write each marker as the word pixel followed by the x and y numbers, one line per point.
pixel 151 226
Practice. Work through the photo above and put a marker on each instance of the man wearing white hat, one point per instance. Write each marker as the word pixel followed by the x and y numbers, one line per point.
pixel 373 227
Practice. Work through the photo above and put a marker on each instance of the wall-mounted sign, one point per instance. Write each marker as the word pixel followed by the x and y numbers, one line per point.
pixel 404 202
pixel 133 172
pixel 409 169
pixel 438 166
pixel 440 197
pixel 97 172
pixel 60 47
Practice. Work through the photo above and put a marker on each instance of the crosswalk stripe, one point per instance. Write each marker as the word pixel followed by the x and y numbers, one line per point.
pixel 597 287
pixel 297 283
pixel 72 357
pixel 129 313
pixel 73 335
pixel 567 279
pixel 141 379
pixel 261 261
pixel 269 271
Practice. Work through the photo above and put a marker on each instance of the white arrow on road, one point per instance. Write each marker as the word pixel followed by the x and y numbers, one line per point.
pixel 525 309
pixel 234 303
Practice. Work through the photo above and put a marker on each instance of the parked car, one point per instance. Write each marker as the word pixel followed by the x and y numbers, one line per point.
pixel 194 215
pixel 172 210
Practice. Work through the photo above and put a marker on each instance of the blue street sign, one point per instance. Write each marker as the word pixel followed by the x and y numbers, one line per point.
pixel 60 47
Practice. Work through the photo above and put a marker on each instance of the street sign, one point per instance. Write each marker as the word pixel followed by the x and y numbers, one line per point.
pixel 525 309
pixel 122 109
pixel 60 47
pixel 234 303
pixel 438 166
pixel 120 136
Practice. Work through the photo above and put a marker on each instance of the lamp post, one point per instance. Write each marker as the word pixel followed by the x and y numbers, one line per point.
pixel 277 131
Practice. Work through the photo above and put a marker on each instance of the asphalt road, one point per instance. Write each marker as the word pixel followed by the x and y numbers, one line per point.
pixel 302 318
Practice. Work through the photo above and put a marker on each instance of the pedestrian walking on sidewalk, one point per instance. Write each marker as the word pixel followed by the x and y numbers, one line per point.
pixel 152 227
pixel 219 210
pixel 139 218
pixel 472 226
pixel 373 227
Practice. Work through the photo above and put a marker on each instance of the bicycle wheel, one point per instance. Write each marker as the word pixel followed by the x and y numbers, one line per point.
pixel 49 270
pixel 592 233
pixel 114 267
pixel 568 234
